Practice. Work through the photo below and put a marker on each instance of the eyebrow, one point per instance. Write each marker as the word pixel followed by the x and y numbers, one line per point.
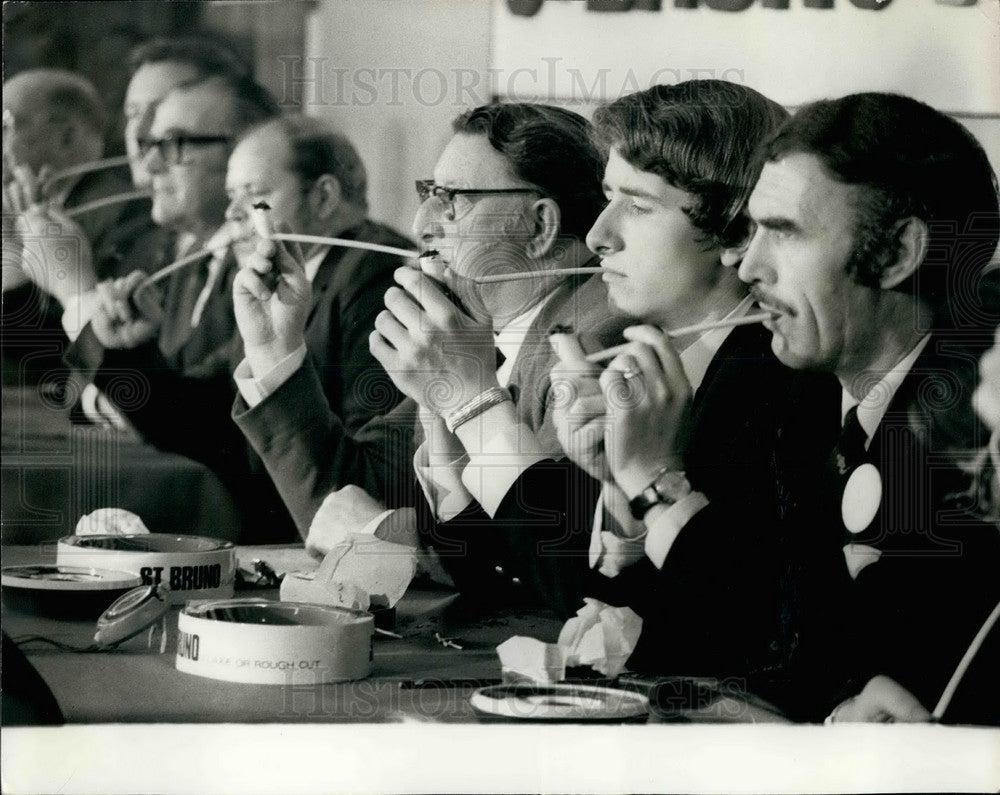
pixel 777 223
pixel 634 192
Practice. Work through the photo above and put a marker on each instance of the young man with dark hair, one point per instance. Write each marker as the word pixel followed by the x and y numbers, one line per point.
pixel 665 248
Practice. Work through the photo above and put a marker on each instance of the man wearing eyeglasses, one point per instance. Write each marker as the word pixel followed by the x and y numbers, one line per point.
pixel 515 190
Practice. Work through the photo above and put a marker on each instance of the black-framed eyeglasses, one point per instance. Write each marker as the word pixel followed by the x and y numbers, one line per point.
pixel 452 207
pixel 171 147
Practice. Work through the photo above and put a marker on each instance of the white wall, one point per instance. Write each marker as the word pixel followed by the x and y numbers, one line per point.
pixel 393 74
pixel 945 55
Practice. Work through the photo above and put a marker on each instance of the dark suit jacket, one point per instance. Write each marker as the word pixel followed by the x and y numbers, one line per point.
pixel 186 410
pixel 309 453
pixel 541 532
pixel 911 614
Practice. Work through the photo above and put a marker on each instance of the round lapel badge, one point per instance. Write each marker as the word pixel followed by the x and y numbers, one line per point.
pixel 862 498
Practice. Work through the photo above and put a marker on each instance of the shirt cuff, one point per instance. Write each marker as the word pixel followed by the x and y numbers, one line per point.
pixel 664 528
pixel 500 449
pixel 442 485
pixel 255 390
pixel 610 553
pixel 77 313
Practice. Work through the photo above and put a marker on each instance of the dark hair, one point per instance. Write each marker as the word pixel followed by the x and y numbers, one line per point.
pixel 907 160
pixel 252 103
pixel 206 56
pixel 550 148
pixel 701 136
pixel 318 148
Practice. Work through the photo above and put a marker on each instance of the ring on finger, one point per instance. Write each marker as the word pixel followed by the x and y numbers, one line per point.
pixel 630 373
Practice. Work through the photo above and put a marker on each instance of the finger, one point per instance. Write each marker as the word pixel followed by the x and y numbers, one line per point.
pixel 566 368
pixel 124 288
pixel 108 299
pixel 582 439
pixel 890 698
pixel 249 282
pixel 667 357
pixel 428 294
pixel 588 406
pixel 404 308
pixel 262 258
pixel 623 393
pixel 384 352
pixel 290 256
pixel 15 198
pixel 147 298
pixel 567 347
pixel 45 180
pixel 29 184
pixel 394 332
pixel 646 361
pixel 10 201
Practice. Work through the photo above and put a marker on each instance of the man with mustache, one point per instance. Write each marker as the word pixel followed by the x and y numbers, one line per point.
pixel 871 248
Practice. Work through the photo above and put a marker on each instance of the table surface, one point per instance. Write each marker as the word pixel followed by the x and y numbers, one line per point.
pixel 414 678
pixel 54 472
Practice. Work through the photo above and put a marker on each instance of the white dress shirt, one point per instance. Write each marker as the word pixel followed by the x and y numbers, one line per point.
pixel 443 484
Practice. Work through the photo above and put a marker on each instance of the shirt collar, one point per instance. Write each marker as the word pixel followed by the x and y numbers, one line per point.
pixel 697 356
pixel 312 264
pixel 511 337
pixel 873 406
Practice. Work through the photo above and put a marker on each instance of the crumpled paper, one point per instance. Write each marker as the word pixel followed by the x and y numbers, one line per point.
pixel 360 572
pixel 369 554
pixel 110 522
pixel 599 636
pixel 524 658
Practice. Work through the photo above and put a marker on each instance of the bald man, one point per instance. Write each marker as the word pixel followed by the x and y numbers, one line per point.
pixel 54 118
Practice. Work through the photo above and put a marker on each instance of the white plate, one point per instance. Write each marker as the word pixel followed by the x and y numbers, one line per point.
pixel 537 702
pixel 67 578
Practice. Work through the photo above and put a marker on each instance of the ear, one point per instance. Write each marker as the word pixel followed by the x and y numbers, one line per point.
pixel 546 222
pixel 912 236
pixel 325 196
pixel 732 256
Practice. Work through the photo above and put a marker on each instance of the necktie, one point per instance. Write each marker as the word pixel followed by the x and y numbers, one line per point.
pixel 850 450
pixel 859 496
pixel 500 358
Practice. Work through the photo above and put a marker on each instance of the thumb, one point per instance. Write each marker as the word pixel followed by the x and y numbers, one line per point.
pixel 290 258
pixel 145 296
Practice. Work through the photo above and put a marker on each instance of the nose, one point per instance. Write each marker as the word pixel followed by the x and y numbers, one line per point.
pixel 755 265
pixel 603 237
pixel 427 226
pixel 153 161
pixel 236 210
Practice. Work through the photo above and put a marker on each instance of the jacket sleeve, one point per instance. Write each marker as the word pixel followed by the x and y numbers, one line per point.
pixel 309 452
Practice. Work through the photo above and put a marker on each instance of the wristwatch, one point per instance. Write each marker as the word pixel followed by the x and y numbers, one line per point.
pixel 667 488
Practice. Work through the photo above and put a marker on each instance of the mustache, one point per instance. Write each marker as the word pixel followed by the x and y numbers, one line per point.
pixel 764 299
